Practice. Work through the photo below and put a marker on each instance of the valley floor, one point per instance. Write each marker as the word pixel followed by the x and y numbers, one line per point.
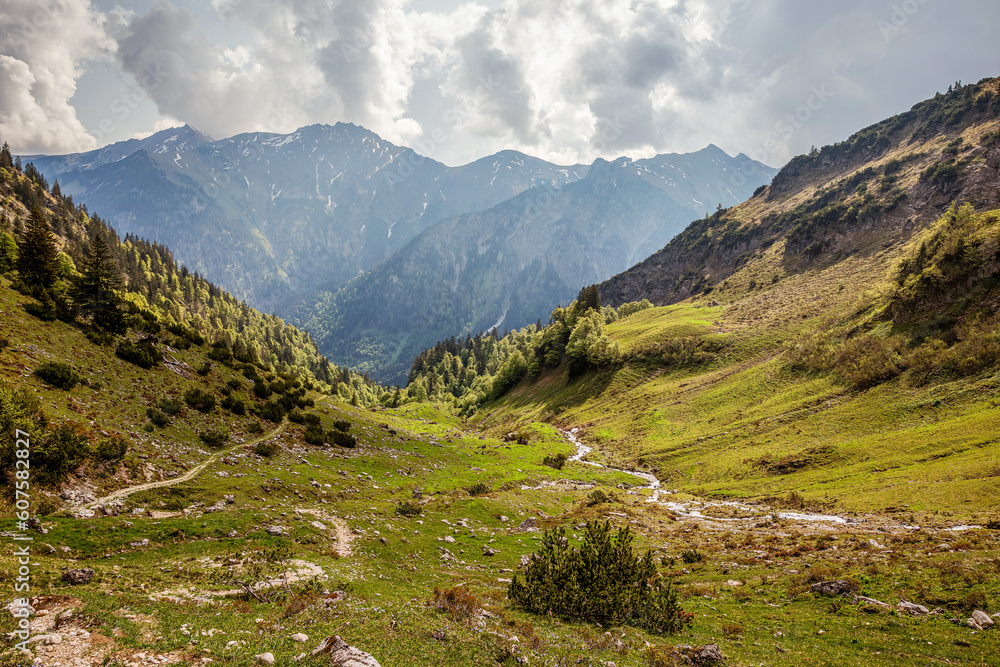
pixel 322 527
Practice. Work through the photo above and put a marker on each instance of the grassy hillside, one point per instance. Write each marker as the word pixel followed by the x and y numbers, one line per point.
pixel 833 337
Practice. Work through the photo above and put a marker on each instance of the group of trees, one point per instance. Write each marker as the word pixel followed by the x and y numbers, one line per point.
pixel 470 372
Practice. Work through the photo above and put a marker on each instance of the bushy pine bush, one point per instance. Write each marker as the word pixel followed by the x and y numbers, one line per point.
pixel 170 406
pixel 341 439
pixel 602 581
pixel 142 354
pixel 235 404
pixel 57 453
pixel 556 461
pixel 202 401
pixel 157 418
pixel 112 449
pixel 271 411
pixel 266 449
pixel 58 374
pixel 315 436
pixel 478 489
pixel 214 438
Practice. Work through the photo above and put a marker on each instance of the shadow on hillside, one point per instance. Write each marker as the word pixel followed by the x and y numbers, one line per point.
pixel 555 393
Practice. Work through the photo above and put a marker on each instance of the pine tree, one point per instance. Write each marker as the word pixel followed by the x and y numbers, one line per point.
pixel 96 290
pixel 6 161
pixel 36 259
pixel 589 297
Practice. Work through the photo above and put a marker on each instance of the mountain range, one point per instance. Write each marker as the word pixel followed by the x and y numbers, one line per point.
pixel 358 239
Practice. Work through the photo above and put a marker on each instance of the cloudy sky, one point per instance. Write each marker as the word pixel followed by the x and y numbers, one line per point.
pixel 566 80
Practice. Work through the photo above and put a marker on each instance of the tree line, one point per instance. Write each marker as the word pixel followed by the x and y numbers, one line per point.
pixel 469 372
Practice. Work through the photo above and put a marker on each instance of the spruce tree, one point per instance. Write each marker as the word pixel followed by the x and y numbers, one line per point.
pixel 36 258
pixel 589 297
pixel 6 161
pixel 95 291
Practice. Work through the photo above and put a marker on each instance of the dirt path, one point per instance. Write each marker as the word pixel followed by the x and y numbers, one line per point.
pixel 190 474
pixel 344 534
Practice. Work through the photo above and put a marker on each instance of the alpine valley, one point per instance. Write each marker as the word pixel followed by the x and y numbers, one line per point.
pixel 352 237
pixel 765 432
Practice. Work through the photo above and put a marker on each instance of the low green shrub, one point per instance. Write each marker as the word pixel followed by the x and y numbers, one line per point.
pixel 58 374
pixel 112 449
pixel 202 401
pixel 44 309
pixel 556 461
pixel 143 354
pixel 57 453
pixel 597 497
pixel 271 411
pixel 602 581
pixel 234 404
pixel 342 425
pixel 478 489
pixel 170 406
pixel 266 449
pixel 341 439
pixel 408 508
pixel 315 436
pixel 214 438
pixel 692 556
pixel 158 418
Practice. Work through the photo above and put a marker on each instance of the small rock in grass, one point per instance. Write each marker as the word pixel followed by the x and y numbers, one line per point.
pixel 980 620
pixel 833 588
pixel 299 637
pixel 78 576
pixel 265 658
pixel 913 609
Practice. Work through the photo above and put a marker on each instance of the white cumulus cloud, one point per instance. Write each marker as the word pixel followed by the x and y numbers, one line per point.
pixel 43 47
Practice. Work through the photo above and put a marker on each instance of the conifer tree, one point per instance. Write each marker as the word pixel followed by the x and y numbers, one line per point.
pixel 96 290
pixel 6 161
pixel 589 297
pixel 36 258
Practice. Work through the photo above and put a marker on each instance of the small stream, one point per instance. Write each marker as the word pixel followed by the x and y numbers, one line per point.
pixel 750 513
pixel 582 450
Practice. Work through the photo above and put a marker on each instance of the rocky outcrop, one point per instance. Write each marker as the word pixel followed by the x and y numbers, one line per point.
pixel 344 655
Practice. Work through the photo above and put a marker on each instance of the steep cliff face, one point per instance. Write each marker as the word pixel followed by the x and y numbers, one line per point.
pixel 868 193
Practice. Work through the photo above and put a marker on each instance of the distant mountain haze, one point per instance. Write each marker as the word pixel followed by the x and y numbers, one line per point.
pixel 305 224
